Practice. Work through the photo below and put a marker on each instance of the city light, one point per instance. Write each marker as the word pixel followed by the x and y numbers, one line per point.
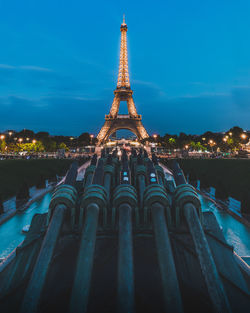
pixel 2 137
pixel 27 139
pixel 243 136
pixel 20 139
pixel 34 141
pixel 230 134
pixel 186 146
pixel 10 133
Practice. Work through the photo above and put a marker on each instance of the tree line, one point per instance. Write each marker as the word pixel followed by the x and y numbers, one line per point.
pixel 28 140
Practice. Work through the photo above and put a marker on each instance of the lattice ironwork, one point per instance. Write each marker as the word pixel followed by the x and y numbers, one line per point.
pixel 123 92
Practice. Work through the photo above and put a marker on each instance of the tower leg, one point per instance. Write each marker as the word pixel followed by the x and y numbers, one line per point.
pixel 131 107
pixel 115 106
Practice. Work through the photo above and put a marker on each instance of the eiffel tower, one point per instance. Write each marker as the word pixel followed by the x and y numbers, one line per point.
pixel 123 92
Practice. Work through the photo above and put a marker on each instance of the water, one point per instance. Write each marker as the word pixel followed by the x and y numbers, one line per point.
pixel 236 233
pixel 11 231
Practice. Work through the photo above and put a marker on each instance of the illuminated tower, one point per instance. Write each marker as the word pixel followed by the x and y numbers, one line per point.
pixel 123 92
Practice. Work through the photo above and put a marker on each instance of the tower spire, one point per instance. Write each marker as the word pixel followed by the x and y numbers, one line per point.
pixel 123 76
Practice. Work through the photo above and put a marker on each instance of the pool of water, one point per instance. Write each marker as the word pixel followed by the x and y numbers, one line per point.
pixel 236 233
pixel 11 231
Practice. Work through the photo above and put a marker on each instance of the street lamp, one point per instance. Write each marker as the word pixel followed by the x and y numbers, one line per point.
pixel 243 136
pixel 27 139
pixel 20 139
pixel 91 138
pixel 2 137
pixel 10 133
pixel 34 141
pixel 154 136
pixel 230 134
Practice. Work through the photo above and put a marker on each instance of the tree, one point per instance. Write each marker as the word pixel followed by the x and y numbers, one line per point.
pixel 63 146
pixel 12 147
pixel 2 145
pixel 31 147
pixel 84 139
pixel 172 142
pixel 26 133
pixel 42 135
pixel 39 147
pixel 200 147
pixel 236 131
pixel 49 144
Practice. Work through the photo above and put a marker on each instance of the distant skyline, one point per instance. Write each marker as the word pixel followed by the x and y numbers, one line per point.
pixel 189 64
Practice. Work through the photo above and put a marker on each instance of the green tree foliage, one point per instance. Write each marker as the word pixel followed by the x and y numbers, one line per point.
pixel 31 147
pixel 63 146
pixel 197 146
pixel 2 145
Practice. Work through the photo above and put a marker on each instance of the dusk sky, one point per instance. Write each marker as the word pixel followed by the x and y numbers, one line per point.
pixel 189 64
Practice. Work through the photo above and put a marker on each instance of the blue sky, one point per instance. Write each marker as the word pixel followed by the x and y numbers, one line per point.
pixel 189 64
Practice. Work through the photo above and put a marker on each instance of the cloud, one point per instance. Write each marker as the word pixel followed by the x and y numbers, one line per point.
pixel 25 68
pixel 6 66
pixel 58 115
pixel 147 90
pixel 73 112
pixel 206 94
pixel 34 68
pixel 215 112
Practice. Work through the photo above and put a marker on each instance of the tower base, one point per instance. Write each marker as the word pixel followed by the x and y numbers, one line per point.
pixel 111 125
